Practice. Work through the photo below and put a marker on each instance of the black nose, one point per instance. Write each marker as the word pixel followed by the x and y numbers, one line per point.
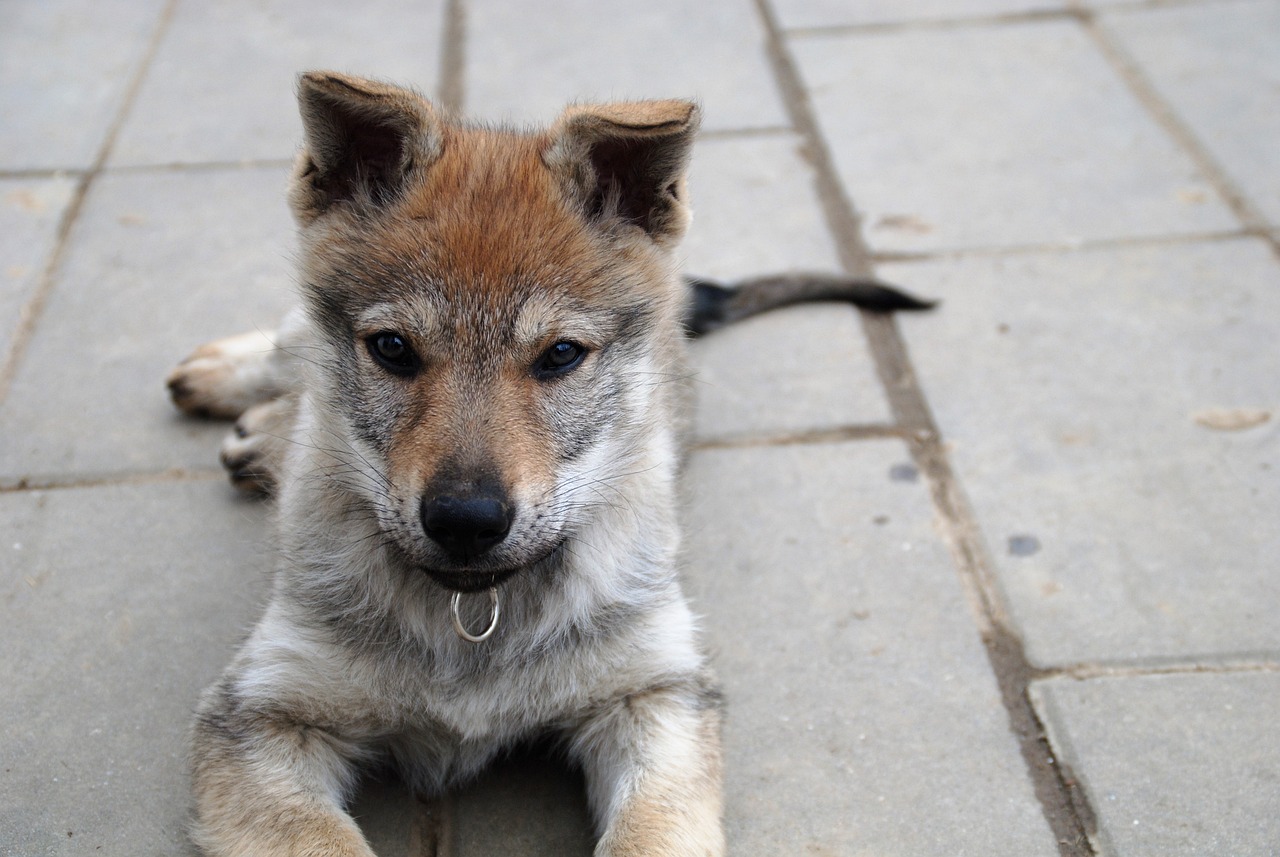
pixel 466 527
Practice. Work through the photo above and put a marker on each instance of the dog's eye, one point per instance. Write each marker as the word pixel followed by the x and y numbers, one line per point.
pixel 392 352
pixel 559 359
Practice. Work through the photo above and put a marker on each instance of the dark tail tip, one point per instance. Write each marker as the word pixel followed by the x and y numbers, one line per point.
pixel 881 297
pixel 714 305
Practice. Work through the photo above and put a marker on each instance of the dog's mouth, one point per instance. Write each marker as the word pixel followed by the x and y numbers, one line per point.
pixel 467 580
pixel 470 581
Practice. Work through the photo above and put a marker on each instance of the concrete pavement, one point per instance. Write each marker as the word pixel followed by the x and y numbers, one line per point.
pixel 999 579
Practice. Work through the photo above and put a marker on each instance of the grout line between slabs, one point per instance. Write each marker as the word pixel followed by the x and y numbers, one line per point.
pixel 31 311
pixel 430 828
pixel 800 437
pixel 880 257
pixel 451 91
pixel 42 173
pixel 168 167
pixel 1149 4
pixel 1202 665
pixel 432 831
pixel 1063 803
pixel 176 474
pixel 762 131
pixel 918 24
pixel 200 166
pixel 1068 12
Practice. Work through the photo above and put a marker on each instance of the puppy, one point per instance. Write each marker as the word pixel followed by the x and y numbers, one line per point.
pixel 472 426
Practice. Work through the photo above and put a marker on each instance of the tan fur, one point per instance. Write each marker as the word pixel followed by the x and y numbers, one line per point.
pixel 688 790
pixel 224 378
pixel 477 253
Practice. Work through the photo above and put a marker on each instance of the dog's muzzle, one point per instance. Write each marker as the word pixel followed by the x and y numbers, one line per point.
pixel 466 523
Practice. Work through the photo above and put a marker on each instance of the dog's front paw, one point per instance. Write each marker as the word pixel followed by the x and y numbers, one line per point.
pixel 226 377
pixel 254 453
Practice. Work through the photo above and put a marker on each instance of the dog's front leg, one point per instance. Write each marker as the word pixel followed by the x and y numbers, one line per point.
pixel 265 787
pixel 652 763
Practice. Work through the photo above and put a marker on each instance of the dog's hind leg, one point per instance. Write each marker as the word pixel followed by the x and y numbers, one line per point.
pixel 653 774
pixel 226 377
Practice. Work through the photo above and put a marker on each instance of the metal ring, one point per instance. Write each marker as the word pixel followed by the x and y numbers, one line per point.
pixel 456 600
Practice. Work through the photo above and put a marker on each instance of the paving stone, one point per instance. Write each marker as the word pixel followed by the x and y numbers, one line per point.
pixel 119 605
pixel 64 69
pixel 394 822
pixel 792 370
pixel 996 136
pixel 1173 765
pixel 590 51
pixel 159 263
pixel 862 717
pixel 30 210
pixel 755 209
pixel 189 110
pixel 527 806
pixel 836 13
pixel 1115 419
pixel 1219 68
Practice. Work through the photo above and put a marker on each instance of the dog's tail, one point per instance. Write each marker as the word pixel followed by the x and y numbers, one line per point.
pixel 714 305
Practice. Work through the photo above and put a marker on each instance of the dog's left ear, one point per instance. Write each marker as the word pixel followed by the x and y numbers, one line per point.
pixel 626 162
pixel 362 141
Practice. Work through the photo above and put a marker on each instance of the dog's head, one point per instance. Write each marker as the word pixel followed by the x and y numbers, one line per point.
pixel 496 315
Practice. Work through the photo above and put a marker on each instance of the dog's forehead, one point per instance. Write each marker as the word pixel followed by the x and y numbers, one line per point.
pixel 494 214
pixel 425 289
pixel 486 243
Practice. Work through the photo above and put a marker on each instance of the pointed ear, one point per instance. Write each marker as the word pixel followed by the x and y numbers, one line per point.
pixel 362 140
pixel 626 162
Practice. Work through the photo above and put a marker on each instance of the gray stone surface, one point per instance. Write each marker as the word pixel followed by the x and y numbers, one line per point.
pixel 119 605
pixel 837 13
pixel 1120 411
pixel 64 69
pixel 527 806
pixel 862 717
pixel 996 136
pixel 1219 68
pixel 190 110
pixel 755 209
pixel 793 370
pixel 1174 765
pixel 711 50
pixel 30 211
pixel 394 822
pixel 160 262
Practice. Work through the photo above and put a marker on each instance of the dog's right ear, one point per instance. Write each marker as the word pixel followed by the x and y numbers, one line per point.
pixel 362 142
